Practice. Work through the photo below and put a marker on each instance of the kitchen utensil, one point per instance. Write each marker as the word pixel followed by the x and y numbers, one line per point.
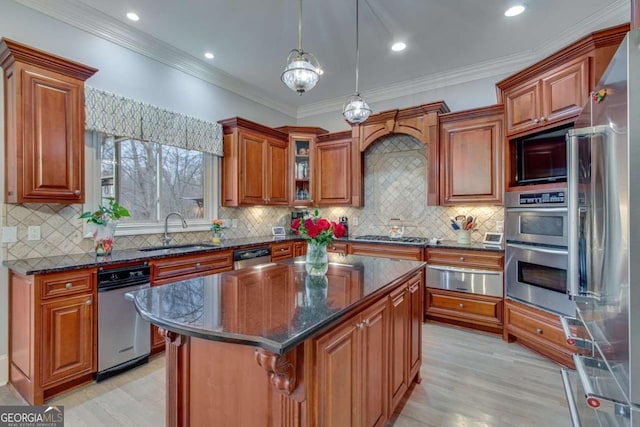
pixel 454 225
pixel 469 219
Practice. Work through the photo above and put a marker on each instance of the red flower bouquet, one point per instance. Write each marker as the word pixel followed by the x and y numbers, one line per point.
pixel 318 231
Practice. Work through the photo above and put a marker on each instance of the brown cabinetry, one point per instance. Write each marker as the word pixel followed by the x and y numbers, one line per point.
pixel 338 171
pixel 280 251
pixel 53 332
pixel 255 166
pixel 300 249
pixel 44 129
pixel 538 330
pixel 338 248
pixel 471 156
pixel 482 312
pixel 386 251
pixel 365 365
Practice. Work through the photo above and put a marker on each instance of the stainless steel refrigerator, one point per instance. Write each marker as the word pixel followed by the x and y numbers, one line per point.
pixel 604 248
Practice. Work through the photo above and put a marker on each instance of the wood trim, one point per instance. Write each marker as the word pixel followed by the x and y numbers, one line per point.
pixel 11 51
pixel 334 136
pixel 635 14
pixel 281 369
pixel 305 130
pixel 177 378
pixel 471 114
pixel 232 124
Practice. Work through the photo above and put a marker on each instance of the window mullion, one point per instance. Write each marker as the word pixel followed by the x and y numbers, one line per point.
pixel 158 181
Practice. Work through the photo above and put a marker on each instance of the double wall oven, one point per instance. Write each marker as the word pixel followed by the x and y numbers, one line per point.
pixel 537 258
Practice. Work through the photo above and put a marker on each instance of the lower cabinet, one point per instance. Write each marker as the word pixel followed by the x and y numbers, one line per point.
pixel 365 365
pixel 338 248
pixel 299 249
pixel 538 330
pixel 280 251
pixel 477 311
pixel 53 332
pixel 387 251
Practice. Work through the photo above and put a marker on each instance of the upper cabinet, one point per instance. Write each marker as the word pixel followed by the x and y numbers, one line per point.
pixel 471 156
pixel 44 129
pixel 255 166
pixel 338 171
pixel 553 91
pixel 420 122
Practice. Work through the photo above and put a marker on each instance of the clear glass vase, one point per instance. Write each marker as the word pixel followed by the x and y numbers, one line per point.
pixel 103 237
pixel 316 261
pixel 216 237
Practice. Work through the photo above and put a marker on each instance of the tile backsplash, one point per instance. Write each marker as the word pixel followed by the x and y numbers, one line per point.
pixel 394 187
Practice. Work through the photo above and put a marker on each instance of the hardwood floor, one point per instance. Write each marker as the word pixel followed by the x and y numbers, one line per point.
pixel 469 379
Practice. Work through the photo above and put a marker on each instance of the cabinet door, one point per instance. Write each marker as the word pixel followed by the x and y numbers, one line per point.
pixel 53 123
pixel 565 91
pixel 277 171
pixel 346 286
pixel 522 105
pixel 338 376
pixel 333 173
pixel 252 169
pixel 68 338
pixel 471 164
pixel 416 288
pixel 375 362
pixel 299 249
pixel 399 344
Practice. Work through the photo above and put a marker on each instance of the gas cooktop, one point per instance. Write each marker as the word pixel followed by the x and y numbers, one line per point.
pixel 406 240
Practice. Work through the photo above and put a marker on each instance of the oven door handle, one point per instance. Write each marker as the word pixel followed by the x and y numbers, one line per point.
pixel 464 270
pixel 537 210
pixel 538 249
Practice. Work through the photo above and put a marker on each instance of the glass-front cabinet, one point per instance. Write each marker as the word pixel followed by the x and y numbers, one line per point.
pixel 302 151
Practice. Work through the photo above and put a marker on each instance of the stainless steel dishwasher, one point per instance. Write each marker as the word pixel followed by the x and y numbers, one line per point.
pixel 123 336
pixel 247 257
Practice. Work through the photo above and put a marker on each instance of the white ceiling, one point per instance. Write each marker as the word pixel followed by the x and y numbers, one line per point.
pixel 251 38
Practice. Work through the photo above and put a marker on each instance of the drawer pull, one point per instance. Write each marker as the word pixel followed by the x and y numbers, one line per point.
pixel 538 331
pixel 461 258
pixel 68 285
pixel 197 265
pixel 461 305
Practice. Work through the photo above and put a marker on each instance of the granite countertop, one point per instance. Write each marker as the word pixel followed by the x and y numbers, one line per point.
pixel 53 264
pixel 274 306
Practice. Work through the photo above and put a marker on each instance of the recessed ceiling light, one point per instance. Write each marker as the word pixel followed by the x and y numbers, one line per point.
pixel 209 55
pixel 133 16
pixel 398 46
pixel 515 10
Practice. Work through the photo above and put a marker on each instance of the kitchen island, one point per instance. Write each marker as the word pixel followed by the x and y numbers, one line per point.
pixel 271 346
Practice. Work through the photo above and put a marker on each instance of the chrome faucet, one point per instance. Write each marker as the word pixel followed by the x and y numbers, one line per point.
pixel 167 239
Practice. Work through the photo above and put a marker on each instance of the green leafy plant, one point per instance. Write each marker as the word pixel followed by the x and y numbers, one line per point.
pixel 114 211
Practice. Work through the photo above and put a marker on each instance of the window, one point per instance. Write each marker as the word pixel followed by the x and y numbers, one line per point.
pixel 151 180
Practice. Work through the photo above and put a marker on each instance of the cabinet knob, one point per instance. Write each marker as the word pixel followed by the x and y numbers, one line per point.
pixel 461 305
pixel 542 119
pixel 68 285
pixel 311 200
pixel 536 120
pixel 76 192
pixel 360 325
pixel 197 265
pixel 461 258
pixel 538 331
pixel 89 302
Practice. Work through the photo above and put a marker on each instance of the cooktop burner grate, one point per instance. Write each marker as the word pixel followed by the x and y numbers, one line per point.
pixel 407 239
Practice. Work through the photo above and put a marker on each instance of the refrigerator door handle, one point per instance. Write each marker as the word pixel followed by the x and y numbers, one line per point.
pixel 573 280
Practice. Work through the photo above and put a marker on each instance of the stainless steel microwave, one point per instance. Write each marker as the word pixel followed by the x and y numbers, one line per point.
pixel 542 157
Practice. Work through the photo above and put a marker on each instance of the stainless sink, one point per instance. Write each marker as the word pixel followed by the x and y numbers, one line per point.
pixel 185 247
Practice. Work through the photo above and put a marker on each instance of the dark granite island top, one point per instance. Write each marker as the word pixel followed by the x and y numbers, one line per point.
pixel 276 306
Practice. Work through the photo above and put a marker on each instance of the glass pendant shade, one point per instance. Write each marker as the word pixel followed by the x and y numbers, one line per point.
pixel 355 109
pixel 301 73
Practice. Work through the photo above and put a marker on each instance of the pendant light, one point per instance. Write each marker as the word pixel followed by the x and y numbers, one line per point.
pixel 302 71
pixel 355 110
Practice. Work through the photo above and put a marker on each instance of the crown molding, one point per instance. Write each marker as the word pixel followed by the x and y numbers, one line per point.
pixel 99 24
pixel 614 14
pixel 104 26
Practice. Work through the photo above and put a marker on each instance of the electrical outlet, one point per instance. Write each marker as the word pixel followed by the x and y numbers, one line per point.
pixel 33 232
pixel 9 234
pixel 499 226
pixel 234 223
pixel 354 220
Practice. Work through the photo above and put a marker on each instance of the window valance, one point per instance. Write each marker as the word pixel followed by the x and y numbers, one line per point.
pixel 117 115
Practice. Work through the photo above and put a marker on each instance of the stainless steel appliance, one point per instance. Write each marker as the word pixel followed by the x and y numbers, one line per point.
pixel 248 257
pixel 123 336
pixel 537 260
pixel 604 248
pixel 483 282
pixel 542 157
pixel 407 240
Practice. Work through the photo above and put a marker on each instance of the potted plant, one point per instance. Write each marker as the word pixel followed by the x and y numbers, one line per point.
pixel 103 223
pixel 319 233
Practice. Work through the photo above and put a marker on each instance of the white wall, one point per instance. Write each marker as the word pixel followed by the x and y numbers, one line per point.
pixel 123 72
pixel 477 93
